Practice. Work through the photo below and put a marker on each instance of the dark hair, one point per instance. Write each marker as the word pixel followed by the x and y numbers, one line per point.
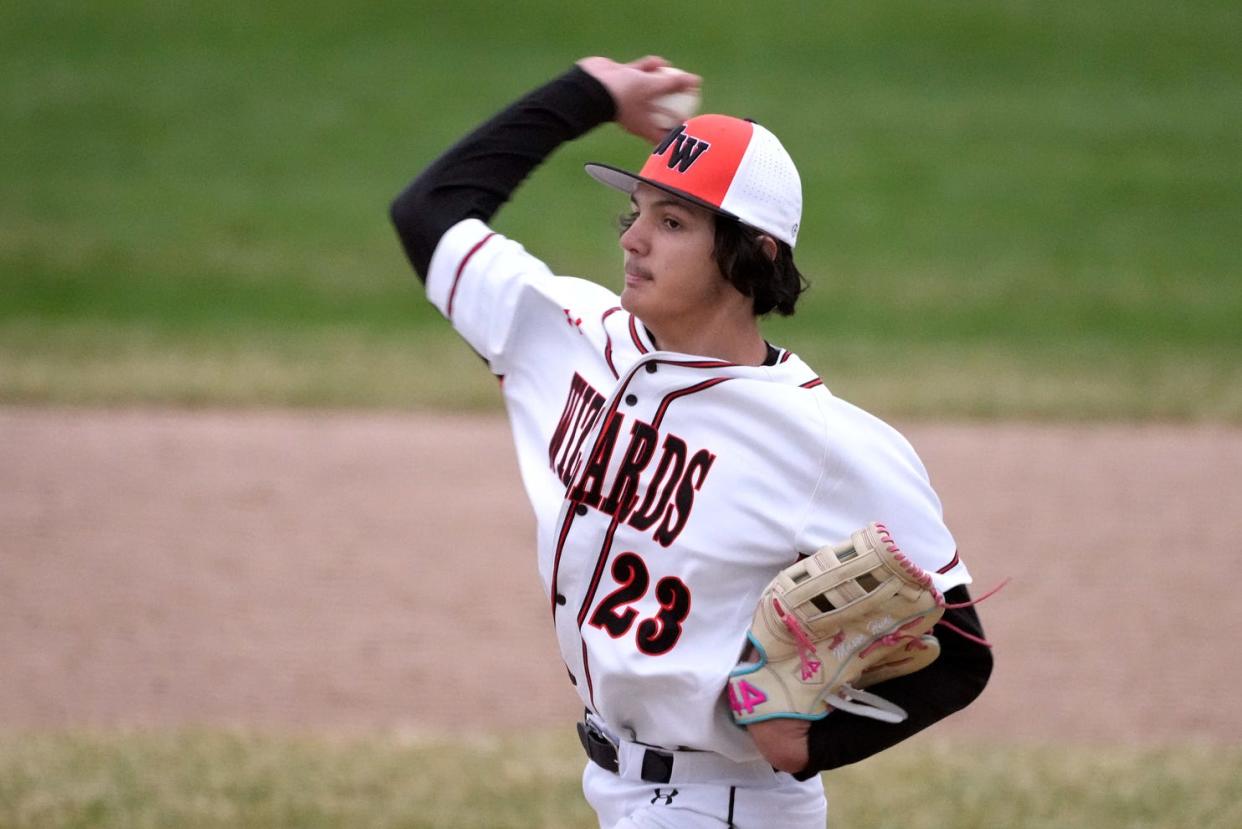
pixel 773 284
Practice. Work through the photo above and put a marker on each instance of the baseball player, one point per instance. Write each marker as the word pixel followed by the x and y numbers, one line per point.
pixel 677 461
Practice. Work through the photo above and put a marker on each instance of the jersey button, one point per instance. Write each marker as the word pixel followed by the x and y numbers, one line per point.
pixel 581 509
pixel 560 598
pixel 651 368
pixel 631 399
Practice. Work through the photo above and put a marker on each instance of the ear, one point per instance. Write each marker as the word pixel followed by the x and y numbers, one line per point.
pixel 769 247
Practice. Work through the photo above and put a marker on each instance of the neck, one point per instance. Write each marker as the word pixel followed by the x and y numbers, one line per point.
pixel 735 340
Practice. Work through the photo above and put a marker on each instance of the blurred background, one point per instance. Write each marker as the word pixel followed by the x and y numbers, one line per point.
pixel 242 459
pixel 1012 208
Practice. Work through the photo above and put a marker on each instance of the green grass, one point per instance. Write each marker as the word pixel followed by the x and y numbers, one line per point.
pixel 1012 209
pixel 242 779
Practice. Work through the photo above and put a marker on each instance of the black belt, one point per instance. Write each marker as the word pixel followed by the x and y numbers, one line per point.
pixel 657 765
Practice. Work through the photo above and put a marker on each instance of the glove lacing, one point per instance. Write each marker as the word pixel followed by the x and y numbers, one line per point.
pixel 806 648
pixel 925 579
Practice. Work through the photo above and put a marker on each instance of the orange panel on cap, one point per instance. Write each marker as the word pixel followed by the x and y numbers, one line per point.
pixel 701 157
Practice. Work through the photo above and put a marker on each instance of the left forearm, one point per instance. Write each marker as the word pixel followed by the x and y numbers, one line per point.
pixel 949 684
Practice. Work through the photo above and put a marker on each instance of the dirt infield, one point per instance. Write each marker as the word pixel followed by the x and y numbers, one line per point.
pixel 342 572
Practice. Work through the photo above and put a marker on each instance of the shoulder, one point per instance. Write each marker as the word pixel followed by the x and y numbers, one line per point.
pixel 843 425
pixel 850 426
pixel 871 472
pixel 474 260
pixel 471 252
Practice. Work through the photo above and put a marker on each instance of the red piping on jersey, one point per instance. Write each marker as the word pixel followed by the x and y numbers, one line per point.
pixel 642 349
pixel 810 384
pixel 608 340
pixel 669 398
pixel 589 599
pixel 956 559
pixel 586 670
pixel 699 363
pixel 462 267
pixel 560 545
pixel 599 571
pixel 569 516
pixel 785 356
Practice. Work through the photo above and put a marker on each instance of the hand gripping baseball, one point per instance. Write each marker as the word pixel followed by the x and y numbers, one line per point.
pixel 636 88
pixel 849 616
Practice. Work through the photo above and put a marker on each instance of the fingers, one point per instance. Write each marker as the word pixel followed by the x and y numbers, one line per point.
pixel 654 74
pixel 650 63
pixel 635 87
pixel 647 116
pixel 669 79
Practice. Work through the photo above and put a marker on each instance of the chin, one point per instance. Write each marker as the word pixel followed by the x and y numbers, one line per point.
pixel 631 303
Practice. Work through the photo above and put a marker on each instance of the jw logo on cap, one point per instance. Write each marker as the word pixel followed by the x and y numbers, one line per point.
pixel 686 149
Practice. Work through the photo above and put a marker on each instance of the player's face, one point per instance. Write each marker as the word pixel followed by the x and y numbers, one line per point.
pixel 671 278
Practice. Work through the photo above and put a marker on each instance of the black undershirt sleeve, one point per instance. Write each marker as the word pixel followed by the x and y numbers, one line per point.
pixel 480 172
pixel 947 685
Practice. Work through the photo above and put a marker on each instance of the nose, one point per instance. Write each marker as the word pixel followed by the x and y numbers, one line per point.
pixel 634 239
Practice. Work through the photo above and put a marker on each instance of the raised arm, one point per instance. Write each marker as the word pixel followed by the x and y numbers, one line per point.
pixel 479 173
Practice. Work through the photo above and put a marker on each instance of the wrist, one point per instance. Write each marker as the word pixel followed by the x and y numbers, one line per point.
pixel 580 98
pixel 783 743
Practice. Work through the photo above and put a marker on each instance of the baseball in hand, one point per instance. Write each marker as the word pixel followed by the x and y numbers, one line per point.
pixel 668 111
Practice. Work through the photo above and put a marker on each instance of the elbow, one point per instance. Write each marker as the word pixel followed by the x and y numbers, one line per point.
pixel 403 210
pixel 967 658
pixel 408 215
pixel 974 673
pixel 413 209
pixel 984 672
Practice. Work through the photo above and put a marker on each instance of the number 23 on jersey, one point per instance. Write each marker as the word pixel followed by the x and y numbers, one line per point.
pixel 616 614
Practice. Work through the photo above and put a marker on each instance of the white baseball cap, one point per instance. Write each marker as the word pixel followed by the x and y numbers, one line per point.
pixel 728 165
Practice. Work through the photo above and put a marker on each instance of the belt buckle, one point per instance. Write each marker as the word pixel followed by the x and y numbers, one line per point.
pixel 657 765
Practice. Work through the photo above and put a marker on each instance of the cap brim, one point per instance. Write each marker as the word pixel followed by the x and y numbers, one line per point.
pixel 627 182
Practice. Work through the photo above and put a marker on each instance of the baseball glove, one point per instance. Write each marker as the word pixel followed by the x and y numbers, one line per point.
pixel 849 616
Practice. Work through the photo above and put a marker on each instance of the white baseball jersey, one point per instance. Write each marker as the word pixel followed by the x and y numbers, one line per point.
pixel 668 488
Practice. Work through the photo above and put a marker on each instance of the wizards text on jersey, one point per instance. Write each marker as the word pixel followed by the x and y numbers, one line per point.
pixel 659 503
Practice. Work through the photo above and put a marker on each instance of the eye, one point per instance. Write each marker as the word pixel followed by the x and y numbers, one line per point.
pixel 626 220
pixel 671 223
